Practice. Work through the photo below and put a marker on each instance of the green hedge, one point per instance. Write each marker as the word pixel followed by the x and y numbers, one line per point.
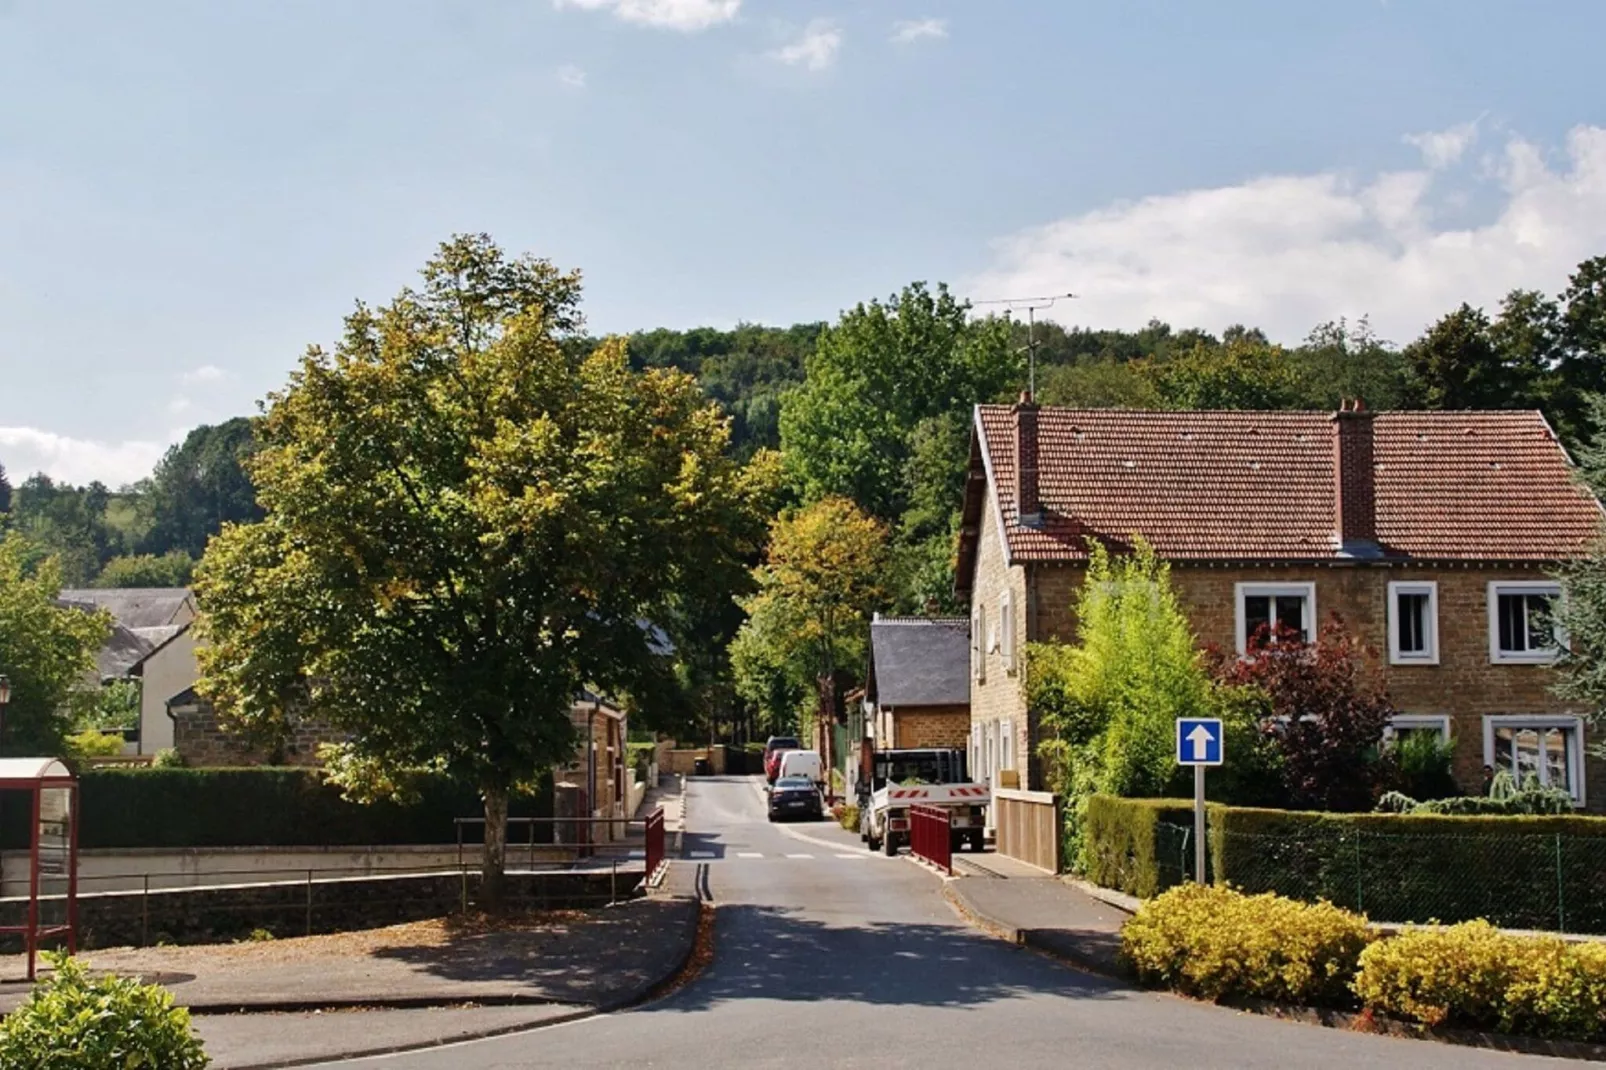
pixel 1139 846
pixel 1540 872
pixel 261 807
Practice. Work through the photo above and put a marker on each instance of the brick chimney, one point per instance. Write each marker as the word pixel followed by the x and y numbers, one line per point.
pixel 1030 506
pixel 1354 497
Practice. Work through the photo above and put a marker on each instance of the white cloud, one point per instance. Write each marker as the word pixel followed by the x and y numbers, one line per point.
pixel 73 460
pixel 916 29
pixel 1444 148
pixel 206 373
pixel 178 405
pixel 1286 252
pixel 572 76
pixel 685 15
pixel 815 50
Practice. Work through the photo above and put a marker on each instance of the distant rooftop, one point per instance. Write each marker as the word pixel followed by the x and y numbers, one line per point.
pixel 920 661
pixel 136 607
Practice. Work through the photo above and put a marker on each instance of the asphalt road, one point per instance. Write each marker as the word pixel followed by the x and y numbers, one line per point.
pixel 830 961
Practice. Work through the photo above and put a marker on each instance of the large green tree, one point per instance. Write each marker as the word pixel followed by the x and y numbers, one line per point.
pixel 467 520
pixel 822 577
pixel 873 377
pixel 47 650
pixel 199 486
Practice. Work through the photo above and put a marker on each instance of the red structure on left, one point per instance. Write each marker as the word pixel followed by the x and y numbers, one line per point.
pixel 52 846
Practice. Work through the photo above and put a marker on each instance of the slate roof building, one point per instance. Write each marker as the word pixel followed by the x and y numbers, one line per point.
pixel 1433 535
pixel 152 642
pixel 917 692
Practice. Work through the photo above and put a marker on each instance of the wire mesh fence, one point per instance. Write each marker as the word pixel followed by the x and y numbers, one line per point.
pixel 1517 880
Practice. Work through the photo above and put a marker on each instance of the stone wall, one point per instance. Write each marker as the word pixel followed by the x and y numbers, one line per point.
pixel 932 726
pixel 202 741
pixel 295 908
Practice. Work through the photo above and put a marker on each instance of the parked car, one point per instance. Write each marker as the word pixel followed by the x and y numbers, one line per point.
pixel 796 796
pixel 773 750
pixel 802 763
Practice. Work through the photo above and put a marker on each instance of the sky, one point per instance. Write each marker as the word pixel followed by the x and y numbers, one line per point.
pixel 193 192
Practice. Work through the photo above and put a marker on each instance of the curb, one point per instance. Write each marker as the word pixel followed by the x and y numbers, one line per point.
pixel 1012 934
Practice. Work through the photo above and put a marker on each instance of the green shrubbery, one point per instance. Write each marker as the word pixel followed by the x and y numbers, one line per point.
pixel 72 1021
pixel 1534 872
pixel 847 815
pixel 263 807
pixel 1218 943
pixel 1214 942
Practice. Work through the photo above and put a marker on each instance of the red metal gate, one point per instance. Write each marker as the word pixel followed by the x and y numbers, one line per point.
pixel 655 842
pixel 931 836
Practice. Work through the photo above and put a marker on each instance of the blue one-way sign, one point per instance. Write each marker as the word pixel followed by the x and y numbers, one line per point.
pixel 1198 741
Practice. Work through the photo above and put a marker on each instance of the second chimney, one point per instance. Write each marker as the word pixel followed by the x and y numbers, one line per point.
pixel 1354 493
pixel 1029 505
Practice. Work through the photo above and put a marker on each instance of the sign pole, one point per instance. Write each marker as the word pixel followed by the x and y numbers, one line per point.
pixel 1198 824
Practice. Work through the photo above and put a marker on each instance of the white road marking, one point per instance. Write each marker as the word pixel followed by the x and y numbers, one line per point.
pixel 799 856
pixel 748 854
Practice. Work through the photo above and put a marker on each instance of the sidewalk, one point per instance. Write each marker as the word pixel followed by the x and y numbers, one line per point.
pixel 1038 910
pixel 594 959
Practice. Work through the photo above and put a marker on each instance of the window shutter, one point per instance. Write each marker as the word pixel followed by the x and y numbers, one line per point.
pixel 1006 623
pixel 978 627
pixel 1006 744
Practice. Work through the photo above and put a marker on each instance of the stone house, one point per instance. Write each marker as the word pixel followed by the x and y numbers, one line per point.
pixel 1433 536
pixel 152 641
pixel 917 689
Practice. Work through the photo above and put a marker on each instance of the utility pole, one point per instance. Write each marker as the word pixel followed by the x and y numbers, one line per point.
pixel 1031 305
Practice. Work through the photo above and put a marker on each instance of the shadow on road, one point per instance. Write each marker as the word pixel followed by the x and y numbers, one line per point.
pixel 765 952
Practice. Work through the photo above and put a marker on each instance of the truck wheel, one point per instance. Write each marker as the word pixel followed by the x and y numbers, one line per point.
pixel 890 846
pixel 977 843
pixel 872 843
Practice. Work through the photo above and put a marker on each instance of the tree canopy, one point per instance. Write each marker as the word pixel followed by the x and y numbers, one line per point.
pixel 47 651
pixel 466 522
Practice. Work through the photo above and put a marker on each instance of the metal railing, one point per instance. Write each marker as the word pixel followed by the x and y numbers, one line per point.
pixel 931 836
pixel 655 842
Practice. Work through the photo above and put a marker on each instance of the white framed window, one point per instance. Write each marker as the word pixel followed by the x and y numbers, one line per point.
pixel 978 643
pixel 1549 747
pixel 1407 724
pixel 1006 629
pixel 1413 614
pixel 1520 626
pixel 1269 605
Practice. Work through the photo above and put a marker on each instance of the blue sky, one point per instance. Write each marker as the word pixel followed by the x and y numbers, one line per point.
pixel 192 192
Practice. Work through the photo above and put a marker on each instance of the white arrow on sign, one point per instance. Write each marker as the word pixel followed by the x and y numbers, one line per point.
pixel 1201 738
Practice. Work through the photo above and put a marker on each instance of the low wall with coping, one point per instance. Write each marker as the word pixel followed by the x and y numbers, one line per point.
pixel 135 868
pixel 298 908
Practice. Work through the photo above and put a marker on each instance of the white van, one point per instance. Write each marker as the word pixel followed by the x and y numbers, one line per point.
pixel 804 763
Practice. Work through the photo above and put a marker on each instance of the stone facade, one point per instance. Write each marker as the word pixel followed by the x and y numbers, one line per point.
pixel 201 740
pixel 930 726
pixel 1464 687
pixel 1000 735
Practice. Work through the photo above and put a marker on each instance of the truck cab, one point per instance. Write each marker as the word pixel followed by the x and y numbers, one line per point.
pixel 891 781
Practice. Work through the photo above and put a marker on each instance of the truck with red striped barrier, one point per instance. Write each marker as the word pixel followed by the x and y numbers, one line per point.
pixel 890 782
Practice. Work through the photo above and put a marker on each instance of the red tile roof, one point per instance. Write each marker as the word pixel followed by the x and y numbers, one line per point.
pixel 1475 486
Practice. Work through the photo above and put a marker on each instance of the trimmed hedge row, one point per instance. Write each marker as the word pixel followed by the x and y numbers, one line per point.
pixel 1540 872
pixel 261 807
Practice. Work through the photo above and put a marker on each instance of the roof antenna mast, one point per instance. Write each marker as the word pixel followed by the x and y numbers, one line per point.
pixel 1031 305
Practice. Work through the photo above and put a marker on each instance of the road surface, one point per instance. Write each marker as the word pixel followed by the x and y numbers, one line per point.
pixel 829 956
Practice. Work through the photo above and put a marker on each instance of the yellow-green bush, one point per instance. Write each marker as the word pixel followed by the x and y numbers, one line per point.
pixel 1472 974
pixel 847 816
pixel 1213 942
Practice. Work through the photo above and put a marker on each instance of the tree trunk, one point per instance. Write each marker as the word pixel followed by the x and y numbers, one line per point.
pixel 493 866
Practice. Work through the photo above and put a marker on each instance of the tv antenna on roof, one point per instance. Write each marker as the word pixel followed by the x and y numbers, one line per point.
pixel 1032 305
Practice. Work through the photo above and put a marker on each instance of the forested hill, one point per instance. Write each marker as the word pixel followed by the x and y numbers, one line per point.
pixel 875 406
